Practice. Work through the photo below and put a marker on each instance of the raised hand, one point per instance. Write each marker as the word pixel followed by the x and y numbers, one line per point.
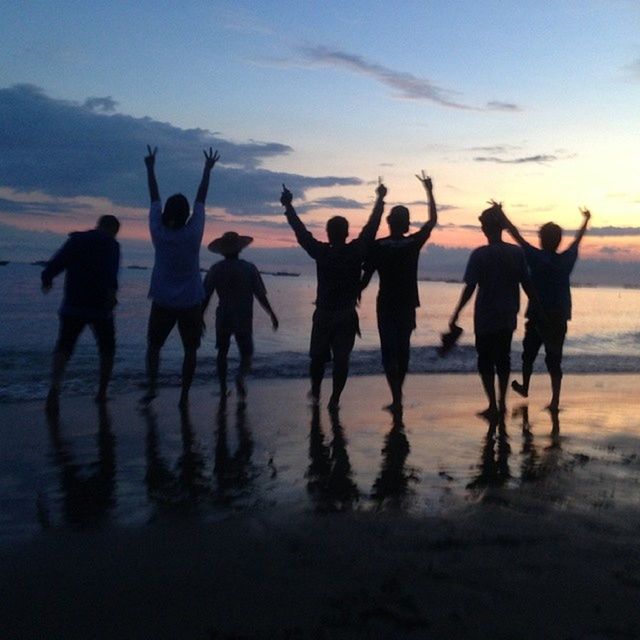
pixel 150 159
pixel 586 213
pixel 381 190
pixel 286 198
pixel 210 158
pixel 426 180
pixel 274 322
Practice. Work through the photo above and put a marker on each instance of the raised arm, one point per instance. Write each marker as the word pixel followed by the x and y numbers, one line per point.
pixel 303 236
pixel 368 233
pixel 210 160
pixel 510 227
pixel 427 227
pixel 586 214
pixel 150 162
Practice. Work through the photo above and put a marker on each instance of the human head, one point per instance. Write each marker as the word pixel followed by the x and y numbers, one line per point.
pixel 491 221
pixel 550 236
pixel 398 219
pixel 109 225
pixel 337 229
pixel 176 211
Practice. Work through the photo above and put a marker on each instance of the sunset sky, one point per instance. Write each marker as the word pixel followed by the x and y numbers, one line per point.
pixel 533 103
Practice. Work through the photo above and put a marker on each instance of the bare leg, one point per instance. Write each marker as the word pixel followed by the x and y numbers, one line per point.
pixel 153 365
pixel 556 385
pixel 489 388
pixel 58 366
pixel 245 367
pixel 106 368
pixel 340 373
pixel 316 372
pixel 188 371
pixel 221 366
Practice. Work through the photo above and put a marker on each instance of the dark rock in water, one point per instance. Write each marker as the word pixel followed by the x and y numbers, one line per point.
pixel 4 263
pixel 137 267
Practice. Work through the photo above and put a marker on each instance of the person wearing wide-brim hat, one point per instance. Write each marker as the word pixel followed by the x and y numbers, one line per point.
pixel 236 282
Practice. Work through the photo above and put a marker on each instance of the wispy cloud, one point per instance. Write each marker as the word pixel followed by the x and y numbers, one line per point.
pixel 68 150
pixel 610 232
pixel 405 85
pixel 537 159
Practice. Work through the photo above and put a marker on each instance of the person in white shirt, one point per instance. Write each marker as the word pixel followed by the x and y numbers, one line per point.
pixel 176 289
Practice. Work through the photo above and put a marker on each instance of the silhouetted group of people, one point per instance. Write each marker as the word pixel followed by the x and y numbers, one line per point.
pixel 179 296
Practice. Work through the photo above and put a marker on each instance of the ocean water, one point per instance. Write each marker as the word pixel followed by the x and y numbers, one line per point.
pixel 604 335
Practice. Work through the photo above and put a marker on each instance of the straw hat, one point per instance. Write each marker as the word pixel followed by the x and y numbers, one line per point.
pixel 229 243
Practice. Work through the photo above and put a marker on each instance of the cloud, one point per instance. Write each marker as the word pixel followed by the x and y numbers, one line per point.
pixel 104 105
pixel 405 85
pixel 66 149
pixel 498 148
pixel 537 159
pixel 611 251
pixel 613 232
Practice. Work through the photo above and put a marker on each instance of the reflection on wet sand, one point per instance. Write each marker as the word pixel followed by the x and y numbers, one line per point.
pixel 188 483
pixel 87 488
pixel 329 475
pixel 234 473
pixel 493 470
pixel 393 482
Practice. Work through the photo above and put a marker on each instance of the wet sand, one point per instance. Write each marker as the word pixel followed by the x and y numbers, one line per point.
pixel 275 521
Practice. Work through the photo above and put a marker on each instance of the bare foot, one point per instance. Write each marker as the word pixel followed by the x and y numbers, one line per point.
pixel 518 388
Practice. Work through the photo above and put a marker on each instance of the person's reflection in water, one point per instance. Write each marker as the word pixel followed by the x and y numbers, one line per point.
pixel 494 463
pixel 234 473
pixel 530 457
pixel 189 483
pixel 87 487
pixel 329 476
pixel 392 484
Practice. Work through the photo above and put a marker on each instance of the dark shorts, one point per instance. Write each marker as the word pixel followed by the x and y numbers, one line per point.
pixel 163 319
pixel 333 333
pixel 244 340
pixel 494 352
pixel 71 327
pixel 551 333
pixel 395 329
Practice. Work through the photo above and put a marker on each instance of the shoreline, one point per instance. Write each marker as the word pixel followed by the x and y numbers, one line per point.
pixel 272 521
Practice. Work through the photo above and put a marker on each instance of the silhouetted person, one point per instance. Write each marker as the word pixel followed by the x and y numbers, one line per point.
pixel 550 274
pixel 496 269
pixel 395 258
pixel 176 287
pixel 338 268
pixel 90 260
pixel 87 488
pixel 236 282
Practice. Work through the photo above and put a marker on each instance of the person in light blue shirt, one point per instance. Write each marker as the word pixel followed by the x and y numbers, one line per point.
pixel 550 274
pixel 176 289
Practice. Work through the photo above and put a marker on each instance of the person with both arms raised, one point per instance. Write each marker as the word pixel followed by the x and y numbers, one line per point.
pixel 338 267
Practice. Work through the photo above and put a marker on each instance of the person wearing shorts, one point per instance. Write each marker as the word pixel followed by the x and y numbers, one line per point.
pixel 90 260
pixel 497 269
pixel 236 282
pixel 395 258
pixel 176 290
pixel 338 269
pixel 551 275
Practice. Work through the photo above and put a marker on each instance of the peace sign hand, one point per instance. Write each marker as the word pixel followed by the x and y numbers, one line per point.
pixel 150 160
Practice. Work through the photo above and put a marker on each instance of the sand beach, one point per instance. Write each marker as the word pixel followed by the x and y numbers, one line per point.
pixel 277 521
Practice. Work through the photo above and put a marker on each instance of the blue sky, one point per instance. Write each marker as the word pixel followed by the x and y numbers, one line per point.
pixel 533 103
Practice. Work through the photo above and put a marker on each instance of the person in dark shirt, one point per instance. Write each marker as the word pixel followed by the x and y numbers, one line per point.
pixel 236 282
pixel 91 260
pixel 550 274
pixel 497 269
pixel 395 258
pixel 338 269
